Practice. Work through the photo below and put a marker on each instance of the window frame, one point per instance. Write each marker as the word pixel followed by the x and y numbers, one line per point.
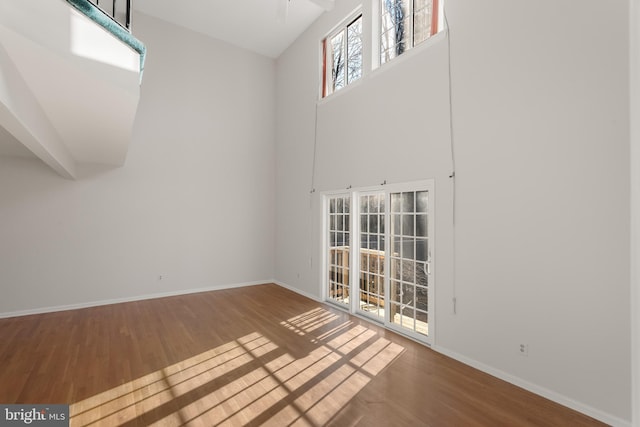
pixel 346 228
pixel 354 264
pixel 436 26
pixel 327 58
pixel 357 261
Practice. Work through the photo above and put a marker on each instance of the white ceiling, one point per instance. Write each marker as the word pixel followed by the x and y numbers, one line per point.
pixel 261 26
pixel 56 74
pixel 266 27
pixel 10 146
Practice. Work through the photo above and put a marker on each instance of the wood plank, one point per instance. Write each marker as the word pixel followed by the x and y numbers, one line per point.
pixel 260 355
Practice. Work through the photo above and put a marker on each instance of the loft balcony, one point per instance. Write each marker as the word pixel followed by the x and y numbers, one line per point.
pixel 69 86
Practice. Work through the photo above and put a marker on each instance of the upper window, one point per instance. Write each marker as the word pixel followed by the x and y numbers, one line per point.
pixel 405 24
pixel 342 56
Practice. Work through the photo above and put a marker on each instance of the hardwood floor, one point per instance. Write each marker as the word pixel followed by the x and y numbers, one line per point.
pixel 252 356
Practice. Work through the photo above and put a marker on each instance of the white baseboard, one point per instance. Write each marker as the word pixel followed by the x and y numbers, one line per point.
pixel 129 299
pixel 534 388
pixel 298 291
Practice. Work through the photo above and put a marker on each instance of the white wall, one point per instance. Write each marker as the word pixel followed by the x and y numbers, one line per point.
pixel 194 201
pixel 634 50
pixel 540 112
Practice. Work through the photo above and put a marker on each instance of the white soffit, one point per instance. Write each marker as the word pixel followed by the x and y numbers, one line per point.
pixel 11 147
pixel 257 25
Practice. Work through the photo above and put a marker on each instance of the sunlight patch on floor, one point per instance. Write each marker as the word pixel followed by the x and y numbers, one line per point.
pixel 251 379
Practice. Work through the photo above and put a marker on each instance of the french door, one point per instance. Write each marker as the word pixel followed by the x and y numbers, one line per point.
pixel 378 249
pixel 371 254
pixel 338 242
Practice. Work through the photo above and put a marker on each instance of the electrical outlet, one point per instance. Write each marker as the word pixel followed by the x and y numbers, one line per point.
pixel 524 350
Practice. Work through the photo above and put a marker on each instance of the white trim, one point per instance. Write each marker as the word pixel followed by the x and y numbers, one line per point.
pixel 129 299
pixel 551 395
pixel 356 252
pixel 386 189
pixel 376 32
pixel 298 291
pixel 326 41
pixel 380 69
pixel 354 249
pixel 386 186
pixel 534 388
pixel 374 35
pixel 324 259
pixel 351 16
pixel 429 186
pixel 436 38
pixel 325 277
pixel 634 109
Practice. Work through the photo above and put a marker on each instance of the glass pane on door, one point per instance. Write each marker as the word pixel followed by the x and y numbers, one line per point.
pixel 409 261
pixel 338 220
pixel 371 254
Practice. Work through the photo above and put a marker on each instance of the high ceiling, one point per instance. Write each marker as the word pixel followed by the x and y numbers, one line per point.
pixel 267 27
pixel 10 146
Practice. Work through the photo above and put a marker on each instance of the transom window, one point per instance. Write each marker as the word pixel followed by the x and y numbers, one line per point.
pixel 342 56
pixel 398 25
pixel 405 24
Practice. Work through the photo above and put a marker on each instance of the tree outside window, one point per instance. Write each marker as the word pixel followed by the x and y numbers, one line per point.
pixel 405 24
pixel 342 56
